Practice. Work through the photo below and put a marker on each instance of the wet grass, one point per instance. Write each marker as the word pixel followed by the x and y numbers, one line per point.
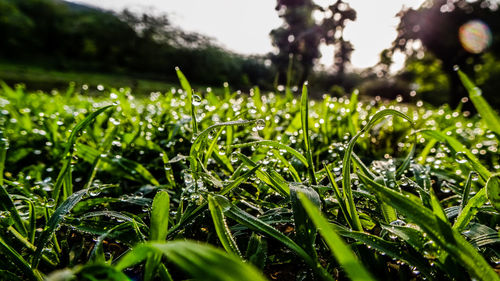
pixel 245 186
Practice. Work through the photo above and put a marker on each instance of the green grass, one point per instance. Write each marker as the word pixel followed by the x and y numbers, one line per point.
pixel 87 82
pixel 189 184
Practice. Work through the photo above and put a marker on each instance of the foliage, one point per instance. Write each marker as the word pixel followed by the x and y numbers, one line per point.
pixel 435 25
pixel 111 186
pixel 60 35
pixel 298 39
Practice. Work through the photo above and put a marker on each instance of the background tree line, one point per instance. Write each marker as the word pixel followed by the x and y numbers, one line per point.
pixel 67 36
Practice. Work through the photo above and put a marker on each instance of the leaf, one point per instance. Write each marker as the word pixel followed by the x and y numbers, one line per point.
pixel 158 229
pixel 257 250
pixel 340 250
pixel 189 92
pixel 159 216
pixel 470 210
pixel 439 231
pixel 493 190
pixel 304 227
pixel 488 115
pixel 459 148
pixel 203 262
pixel 221 227
pixel 304 113
pixel 54 221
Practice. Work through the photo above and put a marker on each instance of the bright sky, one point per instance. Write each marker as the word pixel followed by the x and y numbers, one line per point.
pixel 244 26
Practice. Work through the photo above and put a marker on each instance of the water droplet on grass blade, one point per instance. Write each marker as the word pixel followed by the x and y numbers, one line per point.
pixel 196 100
pixel 260 124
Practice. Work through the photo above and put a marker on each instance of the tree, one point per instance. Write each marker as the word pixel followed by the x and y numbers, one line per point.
pixel 297 38
pixel 300 35
pixel 436 25
pixel 333 34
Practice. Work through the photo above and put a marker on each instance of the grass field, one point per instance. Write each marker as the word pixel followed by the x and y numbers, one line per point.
pixel 39 78
pixel 246 186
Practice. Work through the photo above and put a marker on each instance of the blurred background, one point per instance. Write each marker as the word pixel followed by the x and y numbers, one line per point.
pixel 407 50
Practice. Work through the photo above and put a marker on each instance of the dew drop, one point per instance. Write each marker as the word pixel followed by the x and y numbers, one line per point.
pixel 260 124
pixel 196 100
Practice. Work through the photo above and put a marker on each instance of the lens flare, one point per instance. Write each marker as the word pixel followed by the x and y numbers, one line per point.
pixel 475 36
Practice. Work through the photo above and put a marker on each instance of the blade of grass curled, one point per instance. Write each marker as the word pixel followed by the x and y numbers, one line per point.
pixel 346 169
pixel 68 150
pixel 458 147
pixel 258 225
pixel 189 92
pixel 277 145
pixel 438 230
pixel 54 221
pixel 340 250
pixel 193 258
pixel 304 114
pixel 488 115
pixel 21 264
pixel 221 227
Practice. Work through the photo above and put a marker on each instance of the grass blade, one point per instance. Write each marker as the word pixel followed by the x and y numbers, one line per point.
pixel 304 227
pixel 304 113
pixel 189 92
pixel 346 169
pixel 158 229
pixel 461 150
pixel 194 258
pixel 488 115
pixel 493 190
pixel 54 221
pixel 221 227
pixel 7 204
pixel 340 250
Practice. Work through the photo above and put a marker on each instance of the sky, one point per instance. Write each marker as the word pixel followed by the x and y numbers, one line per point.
pixel 243 26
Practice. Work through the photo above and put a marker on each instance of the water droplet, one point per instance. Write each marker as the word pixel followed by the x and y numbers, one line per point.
pixel 50 203
pixel 196 100
pixel 460 157
pixel 260 124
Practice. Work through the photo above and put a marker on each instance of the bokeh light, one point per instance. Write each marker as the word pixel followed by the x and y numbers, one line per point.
pixel 475 36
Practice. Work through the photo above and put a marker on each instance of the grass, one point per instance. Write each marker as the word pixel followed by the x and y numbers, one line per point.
pixel 38 78
pixel 191 184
